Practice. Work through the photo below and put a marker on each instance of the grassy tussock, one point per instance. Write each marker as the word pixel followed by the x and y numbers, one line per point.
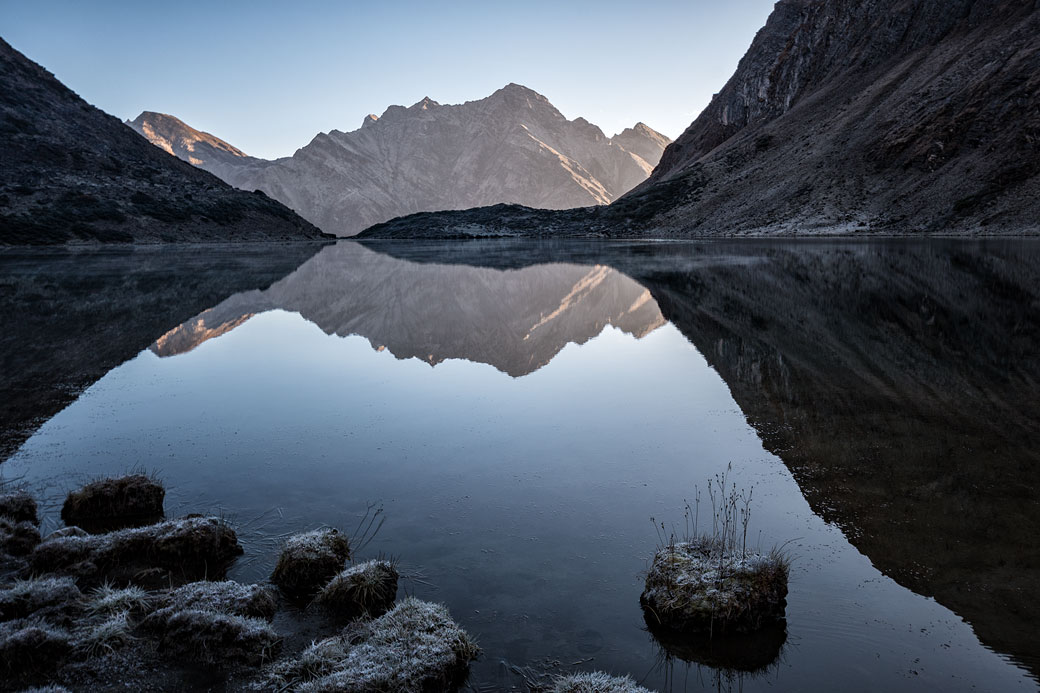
pixel 414 647
pixel 309 560
pixel 364 590
pixel 596 682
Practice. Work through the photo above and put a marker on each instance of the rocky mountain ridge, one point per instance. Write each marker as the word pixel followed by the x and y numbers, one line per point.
pixel 511 147
pixel 889 116
pixel 72 173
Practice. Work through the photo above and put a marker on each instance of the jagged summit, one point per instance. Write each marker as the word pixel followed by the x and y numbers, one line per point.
pixel 513 146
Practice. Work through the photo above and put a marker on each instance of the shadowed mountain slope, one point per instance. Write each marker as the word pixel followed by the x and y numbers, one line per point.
pixel 71 173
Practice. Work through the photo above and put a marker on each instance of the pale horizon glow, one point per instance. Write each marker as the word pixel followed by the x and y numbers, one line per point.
pixel 268 77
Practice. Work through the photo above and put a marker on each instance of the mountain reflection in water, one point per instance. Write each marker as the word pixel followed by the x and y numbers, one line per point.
pixel 895 380
pixel 516 320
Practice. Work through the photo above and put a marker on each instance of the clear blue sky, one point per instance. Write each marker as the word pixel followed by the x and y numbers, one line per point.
pixel 269 76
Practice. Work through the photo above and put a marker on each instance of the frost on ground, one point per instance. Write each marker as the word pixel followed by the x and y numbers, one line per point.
pixel 177 551
pixel 701 586
pixel 226 597
pixel 596 682
pixel 29 647
pixel 363 590
pixel 309 560
pixel 19 532
pixel 109 504
pixel 19 506
pixel 217 639
pixel 414 647
pixel 54 598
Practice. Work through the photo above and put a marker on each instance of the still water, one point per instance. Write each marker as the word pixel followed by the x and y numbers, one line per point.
pixel 525 414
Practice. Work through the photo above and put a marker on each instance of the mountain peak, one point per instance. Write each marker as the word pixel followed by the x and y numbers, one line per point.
pixel 424 104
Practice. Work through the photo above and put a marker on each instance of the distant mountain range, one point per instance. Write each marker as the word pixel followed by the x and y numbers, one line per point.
pixel 844 116
pixel 511 147
pixel 71 173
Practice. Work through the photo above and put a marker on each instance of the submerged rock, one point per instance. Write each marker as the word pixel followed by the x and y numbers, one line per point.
pixel 701 586
pixel 596 682
pixel 19 506
pixel 177 551
pixel 363 590
pixel 110 504
pixel 309 561
pixel 414 647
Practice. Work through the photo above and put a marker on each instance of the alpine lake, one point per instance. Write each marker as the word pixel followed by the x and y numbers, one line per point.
pixel 521 424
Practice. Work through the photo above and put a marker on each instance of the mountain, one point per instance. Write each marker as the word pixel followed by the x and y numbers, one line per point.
pixel 511 147
pixel 844 116
pixel 71 173
pixel 514 320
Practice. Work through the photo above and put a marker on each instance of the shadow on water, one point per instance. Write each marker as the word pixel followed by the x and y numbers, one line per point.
pixel 896 379
pixel 70 317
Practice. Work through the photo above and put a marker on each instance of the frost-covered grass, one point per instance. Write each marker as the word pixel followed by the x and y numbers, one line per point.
pixel 107 635
pixel 18 538
pixel 217 639
pixel 19 506
pixel 107 599
pixel 44 596
pixel 226 597
pixel 713 582
pixel 31 647
pixel 699 585
pixel 309 560
pixel 414 647
pixel 364 590
pixel 192 548
pixel 596 682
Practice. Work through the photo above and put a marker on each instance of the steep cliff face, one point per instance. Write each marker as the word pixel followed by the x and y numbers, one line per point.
pixel 889 116
pixel 903 115
pixel 70 172
pixel 512 147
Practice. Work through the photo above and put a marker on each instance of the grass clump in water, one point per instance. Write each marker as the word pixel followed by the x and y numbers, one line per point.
pixel 309 560
pixel 179 551
pixel 115 503
pixel 365 590
pixel 226 597
pixel 595 682
pixel 713 582
pixel 414 647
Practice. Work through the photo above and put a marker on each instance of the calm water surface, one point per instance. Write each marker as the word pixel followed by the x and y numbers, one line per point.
pixel 521 412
